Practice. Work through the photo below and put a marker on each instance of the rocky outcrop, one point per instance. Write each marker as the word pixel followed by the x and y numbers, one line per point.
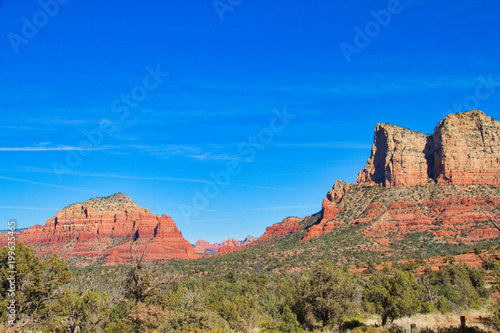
pixel 249 240
pixel 280 230
pixel 272 234
pixel 100 231
pixel 202 246
pixel 331 207
pixel 464 150
pixel 467 149
pixel 400 157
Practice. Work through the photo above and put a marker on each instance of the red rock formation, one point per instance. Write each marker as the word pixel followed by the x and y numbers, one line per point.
pixel 203 246
pixel 279 230
pixel 100 230
pixel 272 234
pixel 399 157
pixel 229 245
pixel 331 207
pixel 467 149
pixel 464 150
pixel 231 242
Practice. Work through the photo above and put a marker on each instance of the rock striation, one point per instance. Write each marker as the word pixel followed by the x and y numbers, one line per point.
pixel 443 186
pixel 464 150
pixel 467 149
pixel 400 157
pixel 100 231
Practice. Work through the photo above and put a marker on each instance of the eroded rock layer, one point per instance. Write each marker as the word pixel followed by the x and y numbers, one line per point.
pixel 464 150
pixel 100 231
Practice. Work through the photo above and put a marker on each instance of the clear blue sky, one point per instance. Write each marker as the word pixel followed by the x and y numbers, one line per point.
pixel 75 68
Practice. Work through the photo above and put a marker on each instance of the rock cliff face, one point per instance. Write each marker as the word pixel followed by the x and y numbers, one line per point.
pixel 400 157
pixel 443 186
pixel 464 150
pixel 467 149
pixel 100 230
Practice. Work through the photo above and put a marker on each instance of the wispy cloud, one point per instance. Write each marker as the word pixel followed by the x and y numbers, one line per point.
pixel 286 207
pixel 48 185
pixel 58 148
pixel 24 128
pixel 108 175
pixel 28 208
pixel 170 179
pixel 189 151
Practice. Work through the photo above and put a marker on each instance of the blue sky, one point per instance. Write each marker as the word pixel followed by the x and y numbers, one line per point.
pixel 173 92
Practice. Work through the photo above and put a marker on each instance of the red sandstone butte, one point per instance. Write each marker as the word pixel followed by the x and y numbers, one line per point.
pixel 443 183
pixel 464 150
pixel 100 231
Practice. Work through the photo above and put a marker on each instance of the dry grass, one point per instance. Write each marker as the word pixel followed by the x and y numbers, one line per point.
pixel 436 320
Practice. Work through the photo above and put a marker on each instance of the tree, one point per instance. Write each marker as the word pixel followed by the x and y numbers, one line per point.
pixel 142 280
pixel 392 294
pixel 289 323
pixel 36 281
pixel 78 310
pixel 331 292
pixel 462 285
pixel 426 281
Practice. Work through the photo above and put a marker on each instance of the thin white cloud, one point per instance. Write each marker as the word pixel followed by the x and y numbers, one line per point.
pixel 28 208
pixel 188 151
pixel 59 148
pixel 48 185
pixel 106 175
pixel 173 179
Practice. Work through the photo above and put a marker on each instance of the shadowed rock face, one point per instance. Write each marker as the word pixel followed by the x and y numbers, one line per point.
pixel 426 184
pixel 100 230
pixel 400 157
pixel 464 150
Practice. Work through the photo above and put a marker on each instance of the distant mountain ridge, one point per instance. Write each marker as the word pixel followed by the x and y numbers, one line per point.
pixel 204 247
